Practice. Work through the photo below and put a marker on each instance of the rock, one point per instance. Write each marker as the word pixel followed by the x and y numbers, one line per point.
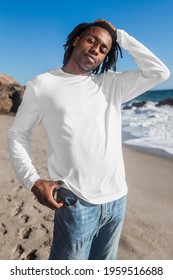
pixel 138 104
pixel 127 107
pixel 166 101
pixel 11 94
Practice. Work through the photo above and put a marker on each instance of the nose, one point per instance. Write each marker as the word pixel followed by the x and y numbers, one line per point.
pixel 94 49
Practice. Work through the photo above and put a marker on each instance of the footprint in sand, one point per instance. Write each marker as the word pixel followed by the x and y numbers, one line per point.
pixel 7 197
pixel 48 217
pixel 18 188
pixel 44 228
pixel 30 255
pixel 37 209
pixel 17 209
pixel 16 252
pixel 24 232
pixel 24 219
pixel 47 243
pixel 3 229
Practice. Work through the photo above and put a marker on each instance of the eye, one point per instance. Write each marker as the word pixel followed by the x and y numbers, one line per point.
pixel 90 40
pixel 103 51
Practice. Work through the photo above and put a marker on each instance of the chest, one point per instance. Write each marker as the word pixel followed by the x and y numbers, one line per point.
pixel 76 99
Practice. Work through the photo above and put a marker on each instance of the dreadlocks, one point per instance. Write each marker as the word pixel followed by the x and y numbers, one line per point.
pixel 111 58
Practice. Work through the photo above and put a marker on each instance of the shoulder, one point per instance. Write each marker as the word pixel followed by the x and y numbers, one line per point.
pixel 43 77
pixel 107 76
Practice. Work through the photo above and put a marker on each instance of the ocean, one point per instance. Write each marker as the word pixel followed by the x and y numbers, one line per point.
pixel 155 95
pixel 149 126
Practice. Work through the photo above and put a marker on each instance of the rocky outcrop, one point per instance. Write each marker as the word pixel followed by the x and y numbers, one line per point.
pixel 166 101
pixel 11 94
pixel 137 104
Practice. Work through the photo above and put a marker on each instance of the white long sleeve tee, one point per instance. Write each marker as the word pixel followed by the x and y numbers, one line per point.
pixel 82 117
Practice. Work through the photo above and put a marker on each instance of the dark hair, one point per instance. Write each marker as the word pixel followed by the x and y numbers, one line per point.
pixel 111 58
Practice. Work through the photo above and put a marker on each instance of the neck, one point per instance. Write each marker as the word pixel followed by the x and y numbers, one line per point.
pixel 71 69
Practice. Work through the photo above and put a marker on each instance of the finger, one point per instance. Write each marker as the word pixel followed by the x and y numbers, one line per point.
pixel 98 20
pixel 55 203
pixel 60 204
pixel 53 206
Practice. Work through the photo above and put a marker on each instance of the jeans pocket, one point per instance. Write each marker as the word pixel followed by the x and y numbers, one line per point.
pixel 68 197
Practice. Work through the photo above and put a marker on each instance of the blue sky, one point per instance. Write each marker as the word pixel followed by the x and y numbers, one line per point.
pixel 33 31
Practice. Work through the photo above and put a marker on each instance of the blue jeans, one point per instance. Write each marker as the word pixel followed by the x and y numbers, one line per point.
pixel 85 231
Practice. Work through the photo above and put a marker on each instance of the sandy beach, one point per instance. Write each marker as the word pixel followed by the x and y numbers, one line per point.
pixel 26 226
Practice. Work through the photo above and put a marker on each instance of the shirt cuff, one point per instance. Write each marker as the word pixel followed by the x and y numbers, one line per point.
pixel 29 183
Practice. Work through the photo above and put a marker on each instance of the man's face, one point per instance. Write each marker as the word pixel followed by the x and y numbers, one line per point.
pixel 90 49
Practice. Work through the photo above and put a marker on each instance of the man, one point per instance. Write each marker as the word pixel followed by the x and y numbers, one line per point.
pixel 80 108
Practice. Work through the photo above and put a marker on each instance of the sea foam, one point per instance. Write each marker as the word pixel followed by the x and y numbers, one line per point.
pixel 149 126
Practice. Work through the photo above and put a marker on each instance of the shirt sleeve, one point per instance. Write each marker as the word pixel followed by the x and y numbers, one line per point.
pixel 19 134
pixel 151 70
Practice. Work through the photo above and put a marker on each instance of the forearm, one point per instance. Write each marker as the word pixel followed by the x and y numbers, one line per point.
pixel 145 59
pixel 19 153
pixel 152 69
pixel 19 135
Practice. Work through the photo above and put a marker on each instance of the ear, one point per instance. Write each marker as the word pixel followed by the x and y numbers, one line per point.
pixel 75 41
